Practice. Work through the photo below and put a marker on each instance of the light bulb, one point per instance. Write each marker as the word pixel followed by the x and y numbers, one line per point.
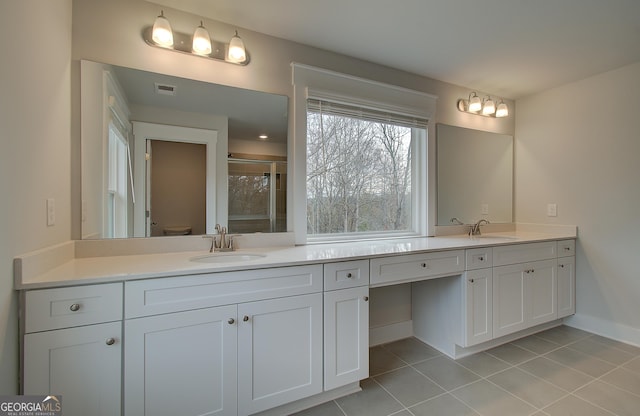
pixel 162 33
pixel 237 52
pixel 474 102
pixel 201 44
pixel 489 107
pixel 502 110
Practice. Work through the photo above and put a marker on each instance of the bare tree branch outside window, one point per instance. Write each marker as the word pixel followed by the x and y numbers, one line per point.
pixel 358 175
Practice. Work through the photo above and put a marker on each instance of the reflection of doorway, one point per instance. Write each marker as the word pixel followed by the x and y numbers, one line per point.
pixel 257 196
pixel 155 133
pixel 177 191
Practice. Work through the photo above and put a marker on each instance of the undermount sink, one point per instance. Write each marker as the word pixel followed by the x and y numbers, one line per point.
pixel 227 257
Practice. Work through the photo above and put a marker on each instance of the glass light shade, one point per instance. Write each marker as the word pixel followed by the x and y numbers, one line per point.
pixel 474 103
pixel 237 52
pixel 502 110
pixel 201 44
pixel 489 107
pixel 162 33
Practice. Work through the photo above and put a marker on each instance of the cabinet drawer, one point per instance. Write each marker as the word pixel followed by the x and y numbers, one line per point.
pixel 478 258
pixel 48 309
pixel 415 267
pixel 181 293
pixel 346 274
pixel 521 253
pixel 566 248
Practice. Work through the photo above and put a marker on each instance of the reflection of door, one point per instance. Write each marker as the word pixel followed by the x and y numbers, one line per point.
pixel 176 188
pixel 157 133
pixel 257 196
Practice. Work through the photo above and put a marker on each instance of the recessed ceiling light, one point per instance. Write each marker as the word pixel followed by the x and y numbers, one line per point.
pixel 263 137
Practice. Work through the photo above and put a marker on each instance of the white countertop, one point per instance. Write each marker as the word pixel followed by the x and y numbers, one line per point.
pixel 59 266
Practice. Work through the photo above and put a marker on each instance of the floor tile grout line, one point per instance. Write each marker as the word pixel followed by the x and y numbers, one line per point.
pixel 391 394
pixel 340 408
pixel 600 379
pixel 555 385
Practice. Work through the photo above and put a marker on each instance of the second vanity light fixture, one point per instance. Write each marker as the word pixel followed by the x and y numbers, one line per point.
pixel 161 35
pixel 485 107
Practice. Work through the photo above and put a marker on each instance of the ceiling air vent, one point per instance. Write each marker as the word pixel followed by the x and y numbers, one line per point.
pixel 165 89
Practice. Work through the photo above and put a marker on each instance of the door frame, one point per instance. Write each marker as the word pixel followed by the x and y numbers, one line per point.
pixel 151 131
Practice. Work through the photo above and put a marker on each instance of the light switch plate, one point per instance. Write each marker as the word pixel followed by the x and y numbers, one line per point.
pixel 552 210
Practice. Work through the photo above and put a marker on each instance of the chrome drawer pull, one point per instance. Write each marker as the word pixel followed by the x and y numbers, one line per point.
pixel 110 341
pixel 75 307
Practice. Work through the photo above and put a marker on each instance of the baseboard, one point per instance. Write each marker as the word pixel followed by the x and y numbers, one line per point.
pixel 605 328
pixel 389 333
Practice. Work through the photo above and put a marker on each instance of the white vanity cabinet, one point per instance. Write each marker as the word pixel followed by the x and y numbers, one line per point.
pixel 477 297
pixel 346 323
pixel 566 278
pixel 73 347
pixel 524 296
pixel 182 363
pixel 524 286
pixel 232 343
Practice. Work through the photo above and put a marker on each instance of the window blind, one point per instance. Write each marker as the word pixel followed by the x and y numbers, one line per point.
pixel 365 113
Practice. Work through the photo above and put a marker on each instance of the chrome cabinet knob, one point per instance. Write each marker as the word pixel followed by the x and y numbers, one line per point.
pixel 423 265
pixel 231 321
pixel 245 318
pixel 110 341
pixel 349 275
pixel 366 298
pixel 75 307
pixel 471 280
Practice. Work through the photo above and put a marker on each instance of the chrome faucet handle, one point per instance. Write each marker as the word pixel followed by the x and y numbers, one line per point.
pixel 213 241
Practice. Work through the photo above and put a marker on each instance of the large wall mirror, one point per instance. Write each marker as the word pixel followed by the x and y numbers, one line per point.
pixel 163 155
pixel 474 175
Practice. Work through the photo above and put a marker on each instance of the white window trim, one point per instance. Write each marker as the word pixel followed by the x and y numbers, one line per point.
pixel 309 81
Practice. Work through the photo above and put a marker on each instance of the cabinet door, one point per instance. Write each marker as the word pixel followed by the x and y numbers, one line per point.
pixel 182 363
pixel 508 299
pixel 81 364
pixel 478 304
pixel 279 351
pixel 346 336
pixel 540 292
pixel 566 286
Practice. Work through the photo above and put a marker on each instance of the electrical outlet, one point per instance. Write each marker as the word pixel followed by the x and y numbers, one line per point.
pixel 51 212
pixel 552 210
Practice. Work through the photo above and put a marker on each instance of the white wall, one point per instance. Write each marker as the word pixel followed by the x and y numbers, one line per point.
pixel 578 146
pixel 35 114
pixel 94 38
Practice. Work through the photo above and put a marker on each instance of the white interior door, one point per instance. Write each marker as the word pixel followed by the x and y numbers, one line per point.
pixel 149 131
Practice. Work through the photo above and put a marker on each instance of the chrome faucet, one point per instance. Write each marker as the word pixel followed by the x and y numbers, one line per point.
pixel 225 243
pixel 475 228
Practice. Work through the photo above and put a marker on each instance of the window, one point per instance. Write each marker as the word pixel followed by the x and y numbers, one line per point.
pixel 361 160
pixel 359 170
pixel 116 221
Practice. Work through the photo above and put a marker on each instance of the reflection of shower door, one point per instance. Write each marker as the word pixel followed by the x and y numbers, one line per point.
pixel 257 196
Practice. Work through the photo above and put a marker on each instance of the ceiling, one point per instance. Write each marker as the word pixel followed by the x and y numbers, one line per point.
pixel 249 113
pixel 509 48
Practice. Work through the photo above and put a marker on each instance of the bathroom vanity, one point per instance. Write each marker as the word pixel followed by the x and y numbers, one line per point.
pixel 274 332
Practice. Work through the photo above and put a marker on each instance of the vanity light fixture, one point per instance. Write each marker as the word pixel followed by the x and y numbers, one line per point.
pixel 201 44
pixel 485 107
pixel 488 106
pixel 502 110
pixel 237 53
pixel 161 35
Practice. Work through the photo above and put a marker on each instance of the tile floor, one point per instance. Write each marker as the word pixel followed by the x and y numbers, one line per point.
pixel 561 371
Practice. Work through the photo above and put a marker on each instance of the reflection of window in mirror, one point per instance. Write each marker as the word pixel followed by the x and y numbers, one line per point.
pixel 257 199
pixel 116 224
